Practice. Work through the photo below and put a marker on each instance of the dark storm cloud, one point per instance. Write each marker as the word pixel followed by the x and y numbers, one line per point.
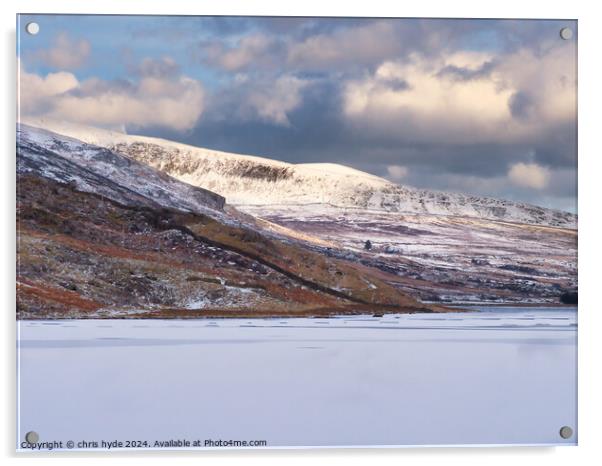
pixel 557 148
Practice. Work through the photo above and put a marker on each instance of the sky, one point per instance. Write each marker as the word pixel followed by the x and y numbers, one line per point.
pixel 485 107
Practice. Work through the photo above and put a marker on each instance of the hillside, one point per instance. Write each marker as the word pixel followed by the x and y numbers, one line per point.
pixel 246 180
pixel 101 235
pixel 515 254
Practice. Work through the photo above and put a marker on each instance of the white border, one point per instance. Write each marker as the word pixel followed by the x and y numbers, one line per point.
pixel 590 197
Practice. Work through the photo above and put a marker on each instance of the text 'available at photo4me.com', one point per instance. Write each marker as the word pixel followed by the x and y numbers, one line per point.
pixel 141 444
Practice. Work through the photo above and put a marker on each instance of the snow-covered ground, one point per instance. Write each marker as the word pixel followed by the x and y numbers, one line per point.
pixel 246 180
pixel 94 169
pixel 502 376
pixel 446 258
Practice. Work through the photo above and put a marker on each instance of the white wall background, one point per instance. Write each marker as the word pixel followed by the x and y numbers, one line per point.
pixel 590 196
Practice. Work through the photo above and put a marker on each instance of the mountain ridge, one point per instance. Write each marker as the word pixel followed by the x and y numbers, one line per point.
pixel 247 180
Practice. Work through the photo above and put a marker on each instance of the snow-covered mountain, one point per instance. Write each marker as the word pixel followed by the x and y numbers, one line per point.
pixel 103 235
pixel 449 258
pixel 246 180
pixel 97 170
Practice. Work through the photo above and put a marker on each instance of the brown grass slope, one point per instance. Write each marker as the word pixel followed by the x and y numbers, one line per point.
pixel 83 255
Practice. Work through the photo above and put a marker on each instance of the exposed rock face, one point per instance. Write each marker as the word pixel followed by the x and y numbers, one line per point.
pixel 176 163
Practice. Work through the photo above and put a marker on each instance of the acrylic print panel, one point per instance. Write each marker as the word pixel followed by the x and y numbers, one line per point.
pixel 295 232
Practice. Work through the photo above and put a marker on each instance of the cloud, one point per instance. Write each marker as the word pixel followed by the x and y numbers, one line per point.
pixel 346 47
pixel 361 45
pixel 35 91
pixel 273 102
pixel 529 175
pixel 265 100
pixel 521 105
pixel 467 73
pixel 465 97
pixel 431 106
pixel 164 67
pixel 152 101
pixel 316 45
pixel 65 53
pixel 255 50
pixel 396 172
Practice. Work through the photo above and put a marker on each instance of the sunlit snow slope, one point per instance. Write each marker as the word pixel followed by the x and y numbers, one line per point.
pixel 254 181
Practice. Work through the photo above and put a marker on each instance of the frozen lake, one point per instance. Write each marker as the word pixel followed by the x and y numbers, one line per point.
pixel 501 376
